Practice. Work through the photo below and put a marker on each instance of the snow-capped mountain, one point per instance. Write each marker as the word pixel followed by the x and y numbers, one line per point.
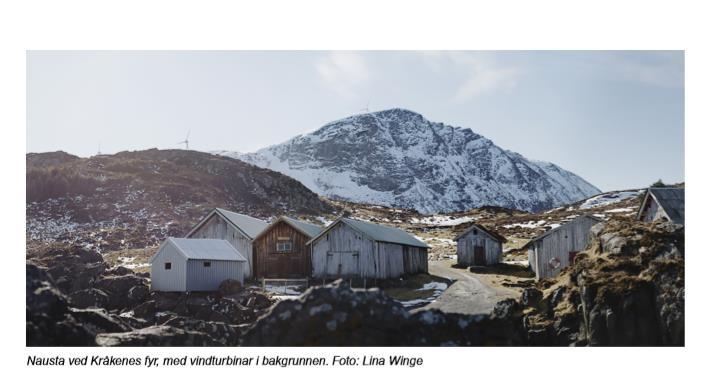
pixel 398 158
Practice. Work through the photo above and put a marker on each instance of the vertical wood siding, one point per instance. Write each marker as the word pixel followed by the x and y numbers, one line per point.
pixel 653 211
pixel 415 260
pixel 344 252
pixel 570 237
pixel 273 264
pixel 217 228
pixel 201 278
pixel 466 244
pixel 174 279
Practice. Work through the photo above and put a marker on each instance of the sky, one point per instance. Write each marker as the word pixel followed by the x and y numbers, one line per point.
pixel 616 118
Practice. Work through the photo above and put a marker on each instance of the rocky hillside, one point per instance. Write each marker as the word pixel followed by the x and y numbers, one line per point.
pixel 136 199
pixel 398 158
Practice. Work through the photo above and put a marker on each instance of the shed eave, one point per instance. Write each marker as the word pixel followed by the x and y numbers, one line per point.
pixel 217 212
pixel 334 223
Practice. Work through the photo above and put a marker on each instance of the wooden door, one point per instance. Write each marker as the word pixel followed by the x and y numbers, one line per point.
pixel 571 257
pixel 479 255
pixel 341 263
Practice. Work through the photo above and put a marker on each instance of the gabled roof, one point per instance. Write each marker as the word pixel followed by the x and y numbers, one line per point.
pixel 670 199
pixel 203 249
pixel 495 235
pixel 376 232
pixel 307 229
pixel 556 229
pixel 248 225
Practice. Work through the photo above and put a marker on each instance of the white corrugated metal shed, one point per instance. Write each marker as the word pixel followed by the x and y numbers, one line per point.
pixel 206 249
pixel 378 233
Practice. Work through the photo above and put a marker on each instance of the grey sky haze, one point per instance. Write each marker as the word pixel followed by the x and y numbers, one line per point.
pixel 615 118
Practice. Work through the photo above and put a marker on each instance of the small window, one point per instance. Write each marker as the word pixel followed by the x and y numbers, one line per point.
pixel 284 246
pixel 167 265
pixel 206 263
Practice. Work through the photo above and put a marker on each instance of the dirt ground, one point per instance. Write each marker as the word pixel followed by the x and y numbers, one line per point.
pixel 469 293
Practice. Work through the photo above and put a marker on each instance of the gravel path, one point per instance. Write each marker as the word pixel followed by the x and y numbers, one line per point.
pixel 468 294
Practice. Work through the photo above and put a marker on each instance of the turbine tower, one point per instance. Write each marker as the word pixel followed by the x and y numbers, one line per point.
pixel 365 109
pixel 185 141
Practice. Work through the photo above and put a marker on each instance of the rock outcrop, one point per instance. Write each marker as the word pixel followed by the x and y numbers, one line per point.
pixel 114 306
pixel 627 289
pixel 336 315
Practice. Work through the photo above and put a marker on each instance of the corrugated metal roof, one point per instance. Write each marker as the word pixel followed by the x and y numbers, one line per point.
pixel 383 233
pixel 671 200
pixel 248 224
pixel 206 249
pixel 550 232
pixel 489 232
pixel 309 229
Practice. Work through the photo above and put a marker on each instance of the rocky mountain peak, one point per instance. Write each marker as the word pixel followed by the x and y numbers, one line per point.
pixel 396 157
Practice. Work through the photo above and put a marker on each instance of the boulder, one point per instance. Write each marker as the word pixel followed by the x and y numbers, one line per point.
pixel 256 300
pixel 156 336
pixel 118 271
pixel 531 297
pixel 139 293
pixel 124 291
pixel 336 315
pixel 87 298
pixel 224 334
pixel 229 287
pixel 48 319
pixel 119 284
pixel 71 268
pixel 99 320
pixel 145 310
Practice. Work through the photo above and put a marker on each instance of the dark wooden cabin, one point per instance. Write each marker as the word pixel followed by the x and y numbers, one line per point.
pixel 281 251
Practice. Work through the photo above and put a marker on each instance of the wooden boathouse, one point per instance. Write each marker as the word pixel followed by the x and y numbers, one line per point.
pixel 352 248
pixel 281 249
pixel 238 229
pixel 479 245
pixel 555 249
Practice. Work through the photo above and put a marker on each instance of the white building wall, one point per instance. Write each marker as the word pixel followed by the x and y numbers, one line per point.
pixel 209 278
pixel 168 280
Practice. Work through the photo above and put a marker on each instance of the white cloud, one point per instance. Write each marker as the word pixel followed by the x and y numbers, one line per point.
pixel 478 73
pixel 344 72
pixel 658 68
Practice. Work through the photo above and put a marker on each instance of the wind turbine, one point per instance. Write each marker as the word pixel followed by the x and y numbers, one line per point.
pixel 185 140
pixel 365 109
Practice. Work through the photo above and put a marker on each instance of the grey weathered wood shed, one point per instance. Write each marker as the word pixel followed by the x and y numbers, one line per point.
pixel 236 228
pixel 662 204
pixel 479 245
pixel 555 249
pixel 356 248
pixel 185 265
